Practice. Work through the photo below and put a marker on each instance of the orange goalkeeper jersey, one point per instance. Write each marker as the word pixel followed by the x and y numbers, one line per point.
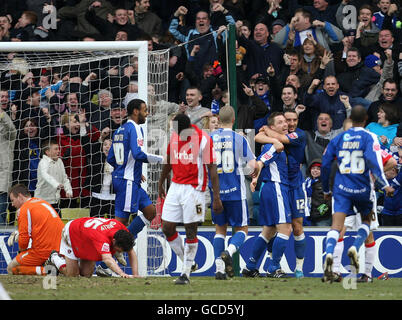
pixel 39 221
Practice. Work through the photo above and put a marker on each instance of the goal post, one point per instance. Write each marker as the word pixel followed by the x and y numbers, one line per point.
pixel 151 71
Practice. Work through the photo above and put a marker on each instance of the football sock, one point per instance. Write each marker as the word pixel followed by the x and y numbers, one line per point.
pixel 337 256
pixel 332 239
pixel 300 249
pixel 278 249
pixel 236 242
pixel 60 262
pixel 137 224
pixel 370 251
pixel 190 250
pixel 258 249
pixel 270 244
pixel 362 234
pixel 29 270
pixel 176 243
pixel 220 265
pixel 218 244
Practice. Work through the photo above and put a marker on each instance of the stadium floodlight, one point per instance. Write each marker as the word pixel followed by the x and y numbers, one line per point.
pixel 116 64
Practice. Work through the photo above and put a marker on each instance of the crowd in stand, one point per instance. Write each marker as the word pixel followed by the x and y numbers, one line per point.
pixel 319 57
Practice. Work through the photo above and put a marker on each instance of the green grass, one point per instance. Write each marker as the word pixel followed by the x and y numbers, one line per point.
pixel 200 288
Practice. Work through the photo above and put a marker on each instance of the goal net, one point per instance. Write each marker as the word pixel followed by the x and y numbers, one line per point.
pixel 75 93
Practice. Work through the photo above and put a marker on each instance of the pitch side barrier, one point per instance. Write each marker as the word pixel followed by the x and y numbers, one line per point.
pixel 388 255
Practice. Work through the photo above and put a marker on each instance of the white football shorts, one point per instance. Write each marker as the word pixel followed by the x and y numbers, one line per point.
pixel 184 204
pixel 65 244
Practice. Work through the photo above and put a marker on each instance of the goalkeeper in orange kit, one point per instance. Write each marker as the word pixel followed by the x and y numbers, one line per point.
pixel 39 232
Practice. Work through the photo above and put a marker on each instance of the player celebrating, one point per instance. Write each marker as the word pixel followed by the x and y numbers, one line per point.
pixel 295 143
pixel 190 156
pixel 358 153
pixel 275 212
pixel 233 152
pixel 127 155
pixel 85 241
pixel 353 222
pixel 37 222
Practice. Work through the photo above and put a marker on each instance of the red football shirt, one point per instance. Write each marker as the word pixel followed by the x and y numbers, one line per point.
pixel 189 158
pixel 92 237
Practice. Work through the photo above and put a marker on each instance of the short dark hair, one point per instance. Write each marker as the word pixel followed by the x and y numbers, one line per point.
pixel 291 87
pixel 390 80
pixel 134 104
pixel 46 146
pixel 358 114
pixel 271 118
pixel 124 240
pixel 183 122
pixel 20 189
pixel 354 49
pixel 305 13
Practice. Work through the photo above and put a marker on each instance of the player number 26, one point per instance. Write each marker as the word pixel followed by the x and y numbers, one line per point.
pixel 352 162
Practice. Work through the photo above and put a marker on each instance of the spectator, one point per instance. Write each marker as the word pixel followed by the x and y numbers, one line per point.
pixel 325 33
pixel 52 176
pixel 8 135
pixel 317 140
pixel 386 126
pixel 27 154
pixel 261 51
pixel 81 27
pixel 193 108
pixel 5 27
pixel 322 10
pixel 331 100
pixel 110 27
pixel 354 67
pixel 366 32
pixel 24 28
pixel 203 35
pixel 262 90
pixel 389 94
pixel 146 20
pixel 74 142
pixel 274 14
pixel 391 214
pixel 100 115
pixel 387 10
pixel 386 73
pixel 100 182
pixel 320 209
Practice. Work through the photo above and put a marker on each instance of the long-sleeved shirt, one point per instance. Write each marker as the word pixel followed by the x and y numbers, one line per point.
pixel 51 174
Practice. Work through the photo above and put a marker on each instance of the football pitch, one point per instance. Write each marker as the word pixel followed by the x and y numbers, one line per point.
pixel 200 288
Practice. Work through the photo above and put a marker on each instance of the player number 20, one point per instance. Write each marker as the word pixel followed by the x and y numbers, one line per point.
pixel 118 149
pixel 225 161
pixel 352 162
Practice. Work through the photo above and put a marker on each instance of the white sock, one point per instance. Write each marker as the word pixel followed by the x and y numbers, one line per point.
pixel 58 261
pixel 176 243
pixel 190 250
pixel 220 265
pixel 370 251
pixel 337 257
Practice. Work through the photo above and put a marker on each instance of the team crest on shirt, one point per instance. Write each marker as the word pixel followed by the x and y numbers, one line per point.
pixel 376 147
pixel 105 247
pixel 140 142
pixel 293 135
pixel 266 156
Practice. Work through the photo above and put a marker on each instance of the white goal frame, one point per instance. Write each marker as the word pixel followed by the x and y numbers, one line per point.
pixel 139 46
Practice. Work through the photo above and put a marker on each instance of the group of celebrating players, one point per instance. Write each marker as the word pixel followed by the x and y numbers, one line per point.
pixel 215 162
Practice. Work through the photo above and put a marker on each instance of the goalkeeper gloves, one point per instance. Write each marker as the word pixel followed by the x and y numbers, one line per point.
pixel 120 258
pixel 13 238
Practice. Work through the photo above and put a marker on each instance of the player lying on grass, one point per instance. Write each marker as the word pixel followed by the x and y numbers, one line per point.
pixel 85 241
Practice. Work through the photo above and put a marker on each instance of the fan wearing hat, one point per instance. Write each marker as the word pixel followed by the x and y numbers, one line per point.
pixel 320 209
